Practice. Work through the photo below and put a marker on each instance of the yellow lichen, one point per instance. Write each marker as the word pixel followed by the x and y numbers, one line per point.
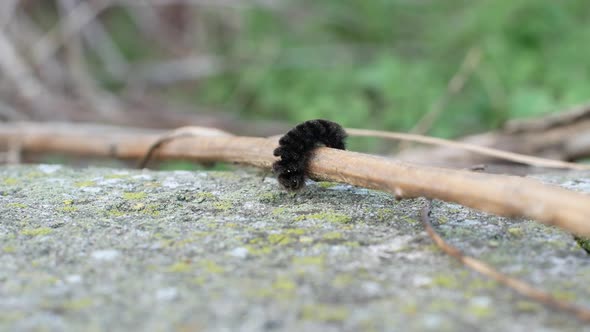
pixel 410 308
pixel 179 267
pixel 332 236
pixel 446 281
pixel 309 260
pixel 34 175
pixel 211 267
pixel 284 284
pixel 306 239
pixel 384 214
pixel 16 205
pixel 278 211
pixel 222 205
pixel 410 220
pixel 115 212
pixel 324 313
pixel 36 231
pixel 279 239
pixel 480 311
pixel 77 304
pixel 10 181
pixel 134 195
pixel 515 231
pixel 202 196
pixel 329 216
pixel 258 251
pixel 268 197
pixel 327 184
pixel 9 249
pixel 565 295
pixel 116 176
pixel 82 184
pixel 295 231
pixel 151 209
pixel 343 280
pixel 69 209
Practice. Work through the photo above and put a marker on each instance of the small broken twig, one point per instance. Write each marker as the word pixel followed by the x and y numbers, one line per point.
pixel 517 285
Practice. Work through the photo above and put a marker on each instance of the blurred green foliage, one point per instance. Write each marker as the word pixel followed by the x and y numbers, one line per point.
pixel 382 64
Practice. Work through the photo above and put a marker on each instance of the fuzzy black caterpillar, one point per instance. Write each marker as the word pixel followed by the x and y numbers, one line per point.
pixel 295 149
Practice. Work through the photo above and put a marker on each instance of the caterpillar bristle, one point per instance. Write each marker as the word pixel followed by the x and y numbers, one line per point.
pixel 295 149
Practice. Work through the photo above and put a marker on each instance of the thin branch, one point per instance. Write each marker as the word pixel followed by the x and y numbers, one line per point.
pixel 454 86
pixel 185 132
pixel 177 71
pixel 98 39
pixel 217 3
pixel 18 73
pixel 7 9
pixel 23 32
pixel 67 28
pixel 506 155
pixel 8 113
pixel 517 285
pixel 574 114
pixel 500 194
pixel 83 83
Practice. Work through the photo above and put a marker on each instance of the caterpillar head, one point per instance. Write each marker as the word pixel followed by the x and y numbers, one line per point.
pixel 291 180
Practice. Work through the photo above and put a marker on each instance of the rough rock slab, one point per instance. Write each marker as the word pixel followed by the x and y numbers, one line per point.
pixel 106 249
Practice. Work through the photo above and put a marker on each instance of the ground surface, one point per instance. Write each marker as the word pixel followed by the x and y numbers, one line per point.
pixel 105 249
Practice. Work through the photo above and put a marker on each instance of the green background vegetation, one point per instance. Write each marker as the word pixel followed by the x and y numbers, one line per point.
pixel 382 64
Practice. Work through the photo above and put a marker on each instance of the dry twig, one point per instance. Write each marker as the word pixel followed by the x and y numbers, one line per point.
pixel 454 86
pixel 560 136
pixel 20 76
pixel 517 285
pixel 69 27
pixel 506 155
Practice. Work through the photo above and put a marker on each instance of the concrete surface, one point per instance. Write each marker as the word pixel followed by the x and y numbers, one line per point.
pixel 108 250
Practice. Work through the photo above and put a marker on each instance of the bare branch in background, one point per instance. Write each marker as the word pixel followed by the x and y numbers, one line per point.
pixel 216 3
pixel 8 113
pixel 7 10
pixel 461 147
pixel 562 136
pixel 550 121
pixel 67 28
pixel 98 39
pixel 83 83
pixel 23 31
pixel 26 85
pixel 454 86
pixel 176 71
pixel 148 20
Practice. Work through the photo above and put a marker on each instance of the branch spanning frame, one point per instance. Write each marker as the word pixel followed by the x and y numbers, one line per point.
pixel 504 195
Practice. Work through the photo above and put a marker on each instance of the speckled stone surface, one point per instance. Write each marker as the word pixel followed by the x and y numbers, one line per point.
pixel 108 250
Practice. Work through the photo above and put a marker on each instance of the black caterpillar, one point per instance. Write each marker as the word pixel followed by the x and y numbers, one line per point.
pixel 296 145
